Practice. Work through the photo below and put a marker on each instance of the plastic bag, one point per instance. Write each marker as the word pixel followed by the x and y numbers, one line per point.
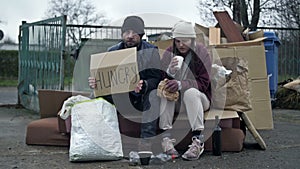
pixel 95 132
pixel 65 111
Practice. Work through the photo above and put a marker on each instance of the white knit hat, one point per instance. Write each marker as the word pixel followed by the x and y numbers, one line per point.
pixel 183 29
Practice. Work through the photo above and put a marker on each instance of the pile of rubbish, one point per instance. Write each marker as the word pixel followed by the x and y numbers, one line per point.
pixel 288 94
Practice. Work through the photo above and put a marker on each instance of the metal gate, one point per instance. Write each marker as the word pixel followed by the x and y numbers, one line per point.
pixel 41 59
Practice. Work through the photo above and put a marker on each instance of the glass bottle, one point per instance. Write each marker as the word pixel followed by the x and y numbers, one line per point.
pixel 216 138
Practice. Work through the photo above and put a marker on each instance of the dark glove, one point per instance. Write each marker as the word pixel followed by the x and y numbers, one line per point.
pixel 172 86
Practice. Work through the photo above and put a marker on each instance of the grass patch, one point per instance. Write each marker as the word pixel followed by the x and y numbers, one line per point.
pixel 8 82
pixel 14 82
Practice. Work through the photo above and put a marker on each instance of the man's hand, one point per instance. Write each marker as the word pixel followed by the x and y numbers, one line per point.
pixel 172 86
pixel 92 82
pixel 139 86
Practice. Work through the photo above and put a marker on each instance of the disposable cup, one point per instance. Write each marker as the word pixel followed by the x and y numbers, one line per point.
pixel 180 61
pixel 145 157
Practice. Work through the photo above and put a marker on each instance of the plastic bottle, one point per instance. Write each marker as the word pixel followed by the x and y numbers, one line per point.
pixel 160 158
pixel 134 158
pixel 201 138
pixel 216 138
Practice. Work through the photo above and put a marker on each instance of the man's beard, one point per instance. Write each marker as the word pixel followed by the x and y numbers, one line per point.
pixel 130 44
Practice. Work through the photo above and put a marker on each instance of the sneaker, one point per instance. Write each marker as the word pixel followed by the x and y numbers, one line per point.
pixel 195 150
pixel 168 147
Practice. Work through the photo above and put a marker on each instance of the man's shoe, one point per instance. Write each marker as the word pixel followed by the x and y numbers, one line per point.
pixel 168 147
pixel 195 150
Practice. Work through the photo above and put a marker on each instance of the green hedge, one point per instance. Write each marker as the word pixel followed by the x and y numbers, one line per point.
pixel 9 64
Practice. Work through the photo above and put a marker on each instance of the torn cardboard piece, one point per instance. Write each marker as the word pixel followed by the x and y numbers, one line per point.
pixel 227 25
pixel 115 71
pixel 253 131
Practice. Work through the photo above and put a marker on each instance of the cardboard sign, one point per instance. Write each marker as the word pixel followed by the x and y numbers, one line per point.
pixel 115 71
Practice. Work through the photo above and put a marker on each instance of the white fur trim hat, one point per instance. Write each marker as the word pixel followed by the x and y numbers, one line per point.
pixel 183 29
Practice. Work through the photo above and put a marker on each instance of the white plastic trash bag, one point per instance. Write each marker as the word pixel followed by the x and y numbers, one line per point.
pixel 65 111
pixel 95 132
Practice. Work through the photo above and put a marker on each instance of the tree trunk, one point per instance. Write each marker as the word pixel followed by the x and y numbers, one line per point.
pixel 236 11
pixel 255 15
pixel 244 14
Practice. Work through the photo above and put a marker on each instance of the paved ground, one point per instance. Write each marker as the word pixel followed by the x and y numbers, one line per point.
pixel 283 146
pixel 8 95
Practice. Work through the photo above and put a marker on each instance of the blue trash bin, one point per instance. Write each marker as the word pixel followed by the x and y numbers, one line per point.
pixel 271 46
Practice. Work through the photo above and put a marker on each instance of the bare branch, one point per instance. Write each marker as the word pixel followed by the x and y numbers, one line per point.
pixel 79 12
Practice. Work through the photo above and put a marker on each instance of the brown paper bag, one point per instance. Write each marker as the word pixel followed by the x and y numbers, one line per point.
pixel 234 94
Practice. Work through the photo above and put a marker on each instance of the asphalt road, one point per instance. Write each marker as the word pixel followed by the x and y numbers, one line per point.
pixel 283 146
pixel 8 95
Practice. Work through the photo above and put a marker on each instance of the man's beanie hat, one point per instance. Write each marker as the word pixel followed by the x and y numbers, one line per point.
pixel 183 29
pixel 134 23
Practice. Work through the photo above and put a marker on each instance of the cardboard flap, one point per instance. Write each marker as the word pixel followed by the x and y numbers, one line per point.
pixel 257 41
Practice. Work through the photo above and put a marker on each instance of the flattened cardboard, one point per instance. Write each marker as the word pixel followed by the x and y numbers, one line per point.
pixel 212 113
pixel 255 55
pixel 259 89
pixel 261 114
pixel 115 71
pixel 223 114
pixel 201 29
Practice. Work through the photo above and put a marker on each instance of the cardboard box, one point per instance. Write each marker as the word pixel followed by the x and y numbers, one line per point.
pixel 115 71
pixel 214 36
pixel 163 45
pixel 254 52
pixel 202 34
pixel 228 119
pixel 255 55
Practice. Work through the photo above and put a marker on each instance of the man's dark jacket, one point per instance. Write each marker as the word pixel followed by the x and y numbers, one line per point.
pixel 148 60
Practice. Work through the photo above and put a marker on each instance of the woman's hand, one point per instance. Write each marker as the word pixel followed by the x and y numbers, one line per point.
pixel 172 86
pixel 92 82
pixel 172 66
